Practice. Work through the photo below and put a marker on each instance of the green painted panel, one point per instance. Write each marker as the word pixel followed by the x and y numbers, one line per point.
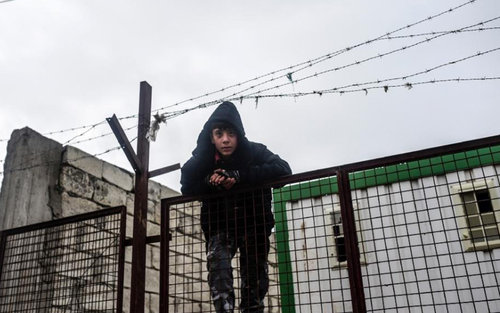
pixel 284 260
pixel 360 180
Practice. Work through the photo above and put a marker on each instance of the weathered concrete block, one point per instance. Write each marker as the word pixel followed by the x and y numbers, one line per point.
pixel 166 192
pixel 154 303
pixel 151 210
pixel 31 170
pixel 188 225
pixel 154 191
pixel 109 195
pixel 155 257
pixel 127 277
pixel 75 205
pixel 153 229
pixel 129 203
pixel 118 177
pixel 152 280
pixel 97 298
pixel 148 256
pixel 80 183
pixel 190 208
pixel 76 182
pixel 174 305
pixel 129 226
pixel 126 300
pixel 156 212
pixel 84 161
pixel 206 306
pixel 128 254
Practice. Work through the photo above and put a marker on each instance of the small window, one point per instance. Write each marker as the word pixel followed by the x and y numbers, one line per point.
pixel 478 213
pixel 336 239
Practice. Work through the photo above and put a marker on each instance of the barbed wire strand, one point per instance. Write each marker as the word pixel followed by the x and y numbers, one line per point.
pixel 175 114
pixel 379 81
pixel 440 32
pixel 408 85
pixel 309 63
pixel 101 135
pixel 291 81
pixel 386 88
pixel 380 55
pixel 255 95
pixel 321 58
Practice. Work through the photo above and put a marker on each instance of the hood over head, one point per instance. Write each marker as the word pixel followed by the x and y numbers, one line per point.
pixel 226 112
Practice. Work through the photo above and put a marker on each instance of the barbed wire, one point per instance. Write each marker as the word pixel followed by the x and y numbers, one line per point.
pixel 81 134
pixel 258 94
pixel 102 135
pixel 309 63
pixel 174 114
pixel 380 55
pixel 378 81
pixel 303 65
pixel 323 57
pixel 298 67
pixel 440 32
pixel 330 91
pixel 336 90
pixel 386 88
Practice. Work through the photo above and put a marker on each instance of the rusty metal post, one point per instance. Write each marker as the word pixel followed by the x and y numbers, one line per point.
pixel 164 255
pixel 138 281
pixel 121 259
pixel 351 243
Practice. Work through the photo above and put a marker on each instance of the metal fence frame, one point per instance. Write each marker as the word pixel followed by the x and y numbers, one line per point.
pixel 121 211
pixel 343 174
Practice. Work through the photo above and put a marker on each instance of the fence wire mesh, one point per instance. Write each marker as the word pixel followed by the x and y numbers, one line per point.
pixel 68 265
pixel 426 234
pixel 235 245
pixel 429 241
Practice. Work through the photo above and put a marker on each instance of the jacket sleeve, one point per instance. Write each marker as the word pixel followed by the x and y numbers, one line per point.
pixel 192 178
pixel 265 166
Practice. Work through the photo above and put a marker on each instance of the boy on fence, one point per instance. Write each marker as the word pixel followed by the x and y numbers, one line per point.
pixel 225 160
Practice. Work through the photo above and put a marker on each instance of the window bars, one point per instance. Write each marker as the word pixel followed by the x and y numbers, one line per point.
pixel 73 264
pixel 417 232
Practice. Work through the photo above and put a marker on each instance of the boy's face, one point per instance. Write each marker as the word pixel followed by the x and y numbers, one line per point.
pixel 225 141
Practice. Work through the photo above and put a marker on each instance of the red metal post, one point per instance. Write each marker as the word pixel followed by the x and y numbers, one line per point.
pixel 137 287
pixel 121 259
pixel 164 255
pixel 351 243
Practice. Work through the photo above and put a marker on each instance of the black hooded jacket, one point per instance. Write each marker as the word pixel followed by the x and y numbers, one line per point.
pixel 255 163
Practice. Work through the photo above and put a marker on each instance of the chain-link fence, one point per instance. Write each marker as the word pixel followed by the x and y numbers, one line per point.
pixel 417 232
pixel 73 264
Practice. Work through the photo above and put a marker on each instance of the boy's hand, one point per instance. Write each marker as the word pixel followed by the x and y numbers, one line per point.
pixel 223 178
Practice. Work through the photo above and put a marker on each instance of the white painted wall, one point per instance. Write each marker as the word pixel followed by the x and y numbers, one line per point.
pixel 411 245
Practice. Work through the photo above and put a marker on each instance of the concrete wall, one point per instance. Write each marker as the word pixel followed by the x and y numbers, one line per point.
pixel 31 172
pixel 44 181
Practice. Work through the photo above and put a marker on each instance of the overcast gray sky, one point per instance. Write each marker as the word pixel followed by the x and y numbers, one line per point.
pixel 70 63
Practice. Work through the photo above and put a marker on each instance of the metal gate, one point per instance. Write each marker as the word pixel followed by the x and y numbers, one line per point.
pixel 73 264
pixel 417 232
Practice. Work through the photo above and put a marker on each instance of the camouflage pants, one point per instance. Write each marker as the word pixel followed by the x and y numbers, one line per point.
pixel 254 249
